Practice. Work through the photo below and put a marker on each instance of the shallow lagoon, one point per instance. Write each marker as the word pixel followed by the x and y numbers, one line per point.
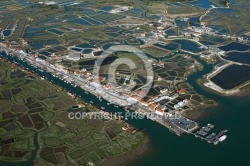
pixel 241 57
pixel 171 46
pixel 6 32
pixel 219 40
pixel 170 32
pixel 45 53
pixel 106 8
pixel 38 44
pixel 87 51
pixel 182 24
pixel 235 46
pixel 81 21
pixel 194 21
pixel 188 45
pixel 91 21
pixel 76 49
pixel 55 31
pixel 232 76
pixel 207 43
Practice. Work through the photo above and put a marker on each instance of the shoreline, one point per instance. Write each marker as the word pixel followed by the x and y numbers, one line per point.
pixel 237 91
pixel 243 91
pixel 127 157
pixel 210 86
pixel 199 111
pixel 203 110
pixel 185 14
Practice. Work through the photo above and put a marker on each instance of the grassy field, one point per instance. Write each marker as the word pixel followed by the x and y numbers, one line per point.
pixel 156 52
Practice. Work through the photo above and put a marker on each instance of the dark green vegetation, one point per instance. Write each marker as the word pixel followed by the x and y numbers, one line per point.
pixel 34 114
pixel 224 2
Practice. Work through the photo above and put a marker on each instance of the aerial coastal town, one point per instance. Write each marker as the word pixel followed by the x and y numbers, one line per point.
pixel 75 45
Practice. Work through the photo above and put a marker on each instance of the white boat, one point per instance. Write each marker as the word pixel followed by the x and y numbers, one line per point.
pixel 222 138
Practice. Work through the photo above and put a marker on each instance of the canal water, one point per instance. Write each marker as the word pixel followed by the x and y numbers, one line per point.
pixel 232 113
pixel 241 57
